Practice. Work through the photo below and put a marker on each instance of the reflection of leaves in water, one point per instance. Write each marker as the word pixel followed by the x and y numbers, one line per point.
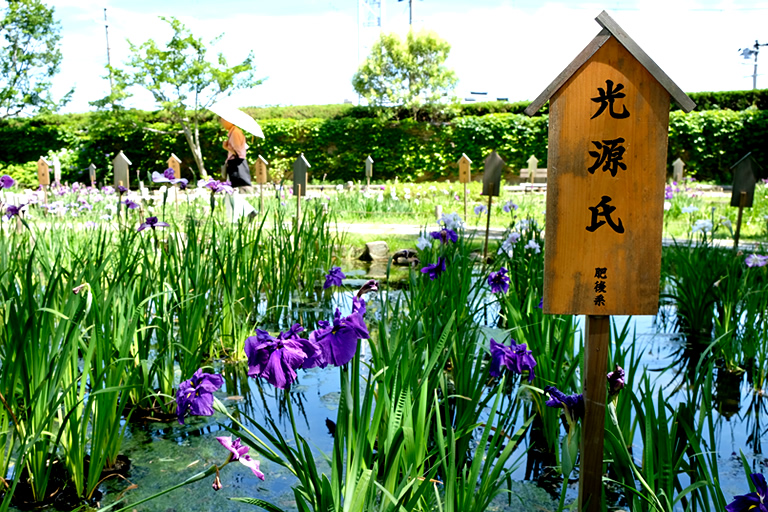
pixel 752 418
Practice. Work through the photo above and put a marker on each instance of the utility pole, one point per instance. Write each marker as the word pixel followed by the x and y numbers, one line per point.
pixel 109 62
pixel 410 12
pixel 747 53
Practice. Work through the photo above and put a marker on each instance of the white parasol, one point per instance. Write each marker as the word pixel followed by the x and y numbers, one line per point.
pixel 238 118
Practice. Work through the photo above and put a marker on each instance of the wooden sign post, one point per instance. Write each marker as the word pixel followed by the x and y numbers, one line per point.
pixel 368 170
pixel 174 163
pixel 300 167
pixel 745 173
pixel 493 166
pixel 122 174
pixel 261 178
pixel 465 176
pixel 533 164
pixel 44 176
pixel 92 174
pixel 608 124
pixel 677 170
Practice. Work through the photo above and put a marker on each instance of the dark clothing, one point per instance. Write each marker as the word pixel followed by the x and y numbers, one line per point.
pixel 238 173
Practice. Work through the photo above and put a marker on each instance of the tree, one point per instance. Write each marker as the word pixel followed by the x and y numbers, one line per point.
pixel 181 79
pixel 29 58
pixel 409 74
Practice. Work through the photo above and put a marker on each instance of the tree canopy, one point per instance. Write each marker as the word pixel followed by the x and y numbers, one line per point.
pixel 409 73
pixel 182 80
pixel 29 58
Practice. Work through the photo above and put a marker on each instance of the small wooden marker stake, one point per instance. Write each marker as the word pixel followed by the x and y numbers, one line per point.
pixel 122 174
pixel 261 178
pixel 465 176
pixel 368 171
pixel 533 164
pixel 677 170
pixel 493 166
pixel 44 176
pixel 174 163
pixel 608 125
pixel 300 166
pixel 745 173
pixel 92 174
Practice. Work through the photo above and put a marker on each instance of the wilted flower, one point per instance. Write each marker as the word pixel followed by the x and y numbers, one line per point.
pixel 754 501
pixel 435 270
pixel 196 394
pixel 333 278
pixel 337 341
pixel 277 359
pixel 370 286
pixel 499 281
pixel 423 243
pixel 480 209
pixel 572 404
pixel 445 235
pixel 516 358
pixel 616 381
pixel 756 260
pixel 153 223
pixel 239 453
pixel 6 181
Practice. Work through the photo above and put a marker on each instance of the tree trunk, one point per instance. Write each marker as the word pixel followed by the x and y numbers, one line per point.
pixel 195 147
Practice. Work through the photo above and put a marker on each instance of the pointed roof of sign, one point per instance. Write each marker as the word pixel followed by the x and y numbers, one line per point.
pixel 92 167
pixel 174 157
pixel 493 158
pixel 611 28
pixel 749 159
pixel 532 160
pixel 301 160
pixel 464 158
pixel 369 159
pixel 121 156
pixel 263 160
pixel 42 159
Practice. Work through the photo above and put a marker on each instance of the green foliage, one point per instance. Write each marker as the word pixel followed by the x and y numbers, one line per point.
pixel 29 58
pixel 409 74
pixel 731 100
pixel 182 80
pixel 24 174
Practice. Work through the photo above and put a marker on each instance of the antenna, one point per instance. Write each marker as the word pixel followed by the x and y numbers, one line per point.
pixel 747 53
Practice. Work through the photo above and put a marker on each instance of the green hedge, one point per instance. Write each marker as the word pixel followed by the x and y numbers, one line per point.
pixel 709 142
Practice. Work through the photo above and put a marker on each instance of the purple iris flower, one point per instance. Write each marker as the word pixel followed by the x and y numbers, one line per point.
pixel 13 211
pixel 334 277
pixel 756 260
pixel 130 204
pixel 196 394
pixel 754 501
pixel 499 281
pixel 509 206
pixel 277 359
pixel 516 358
pixel 337 341
pixel 239 453
pixel 541 303
pixel 169 174
pixel 153 223
pixel 6 181
pixel 572 404
pixel 435 270
pixel 616 381
pixel 183 183
pixel 445 235
pixel 122 189
pixel 480 209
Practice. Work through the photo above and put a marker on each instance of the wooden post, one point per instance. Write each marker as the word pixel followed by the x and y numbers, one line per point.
pixel 261 179
pixel 742 204
pixel 465 176
pixel 598 329
pixel 677 170
pixel 43 176
pixel 92 174
pixel 533 164
pixel 493 165
pixel 368 171
pixel 608 126
pixel 487 228
pixel 438 212
pixel 298 213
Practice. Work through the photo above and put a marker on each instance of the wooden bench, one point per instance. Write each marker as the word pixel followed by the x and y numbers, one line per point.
pixel 536 182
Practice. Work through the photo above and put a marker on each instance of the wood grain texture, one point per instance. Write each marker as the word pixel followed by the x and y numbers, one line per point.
pixel 465 175
pixel 43 172
pixel 632 260
pixel 260 168
pixel 593 428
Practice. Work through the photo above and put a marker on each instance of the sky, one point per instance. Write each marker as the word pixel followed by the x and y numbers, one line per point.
pixel 308 50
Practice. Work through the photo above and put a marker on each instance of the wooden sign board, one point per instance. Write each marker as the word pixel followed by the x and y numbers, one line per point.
pixel 260 168
pixel 175 163
pixel 56 169
pixel 92 174
pixel 493 166
pixel 533 164
pixel 43 172
pixel 677 170
pixel 369 167
pixel 300 167
pixel 122 174
pixel 745 174
pixel 465 175
pixel 608 123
